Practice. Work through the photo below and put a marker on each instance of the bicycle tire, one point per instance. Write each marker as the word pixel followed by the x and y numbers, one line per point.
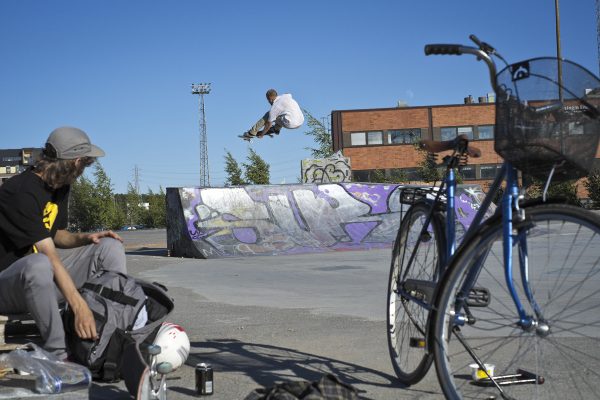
pixel 406 320
pixel 563 243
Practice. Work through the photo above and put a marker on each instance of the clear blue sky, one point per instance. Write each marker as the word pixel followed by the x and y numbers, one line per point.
pixel 122 70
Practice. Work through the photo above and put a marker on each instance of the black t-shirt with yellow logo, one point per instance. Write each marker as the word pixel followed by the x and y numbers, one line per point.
pixel 29 212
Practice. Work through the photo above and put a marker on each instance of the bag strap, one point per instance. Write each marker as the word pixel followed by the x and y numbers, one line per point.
pixel 111 368
pixel 110 294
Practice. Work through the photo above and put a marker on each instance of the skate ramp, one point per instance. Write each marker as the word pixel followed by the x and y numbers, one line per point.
pixel 259 220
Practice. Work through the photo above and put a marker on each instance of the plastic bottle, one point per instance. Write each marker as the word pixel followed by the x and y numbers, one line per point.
pixel 61 377
pixel 52 375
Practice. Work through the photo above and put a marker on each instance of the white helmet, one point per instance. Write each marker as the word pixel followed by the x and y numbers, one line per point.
pixel 174 344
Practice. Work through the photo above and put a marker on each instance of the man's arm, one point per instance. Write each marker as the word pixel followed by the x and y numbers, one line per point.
pixel 265 129
pixel 85 325
pixel 66 240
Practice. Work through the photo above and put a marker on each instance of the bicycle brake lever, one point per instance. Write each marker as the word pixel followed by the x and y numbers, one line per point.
pixel 482 45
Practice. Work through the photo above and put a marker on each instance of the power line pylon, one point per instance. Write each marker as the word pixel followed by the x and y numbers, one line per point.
pixel 201 89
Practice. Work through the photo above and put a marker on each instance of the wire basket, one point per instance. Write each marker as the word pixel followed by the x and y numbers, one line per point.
pixel 548 120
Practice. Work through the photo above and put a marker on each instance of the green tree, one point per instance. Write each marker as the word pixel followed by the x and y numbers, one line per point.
pixel 395 176
pixel 135 208
pixel 92 203
pixel 233 170
pixel 108 215
pixel 82 205
pixel 256 170
pixel 321 136
pixel 566 190
pixel 592 184
pixel 156 215
pixel 428 170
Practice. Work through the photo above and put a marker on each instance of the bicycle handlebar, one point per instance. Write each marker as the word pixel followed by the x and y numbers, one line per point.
pixel 482 53
pixel 443 49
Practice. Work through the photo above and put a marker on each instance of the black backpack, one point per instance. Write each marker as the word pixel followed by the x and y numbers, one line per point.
pixel 117 300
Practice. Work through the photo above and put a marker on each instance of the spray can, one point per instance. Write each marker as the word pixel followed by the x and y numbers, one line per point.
pixel 204 379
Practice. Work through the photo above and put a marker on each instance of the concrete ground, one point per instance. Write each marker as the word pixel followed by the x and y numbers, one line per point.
pixel 264 320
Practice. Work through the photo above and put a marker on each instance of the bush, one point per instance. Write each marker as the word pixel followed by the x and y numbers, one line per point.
pixel 592 184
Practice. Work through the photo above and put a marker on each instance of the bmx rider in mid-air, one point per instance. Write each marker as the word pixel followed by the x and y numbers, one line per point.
pixel 284 113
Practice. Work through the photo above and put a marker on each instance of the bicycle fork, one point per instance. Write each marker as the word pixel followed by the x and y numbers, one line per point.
pixel 515 229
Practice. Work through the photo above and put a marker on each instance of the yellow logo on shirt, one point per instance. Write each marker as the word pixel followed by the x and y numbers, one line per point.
pixel 50 213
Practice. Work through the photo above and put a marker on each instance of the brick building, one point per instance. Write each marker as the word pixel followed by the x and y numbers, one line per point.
pixel 15 161
pixel 382 139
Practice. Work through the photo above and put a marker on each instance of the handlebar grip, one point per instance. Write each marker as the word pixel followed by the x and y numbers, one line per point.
pixel 443 49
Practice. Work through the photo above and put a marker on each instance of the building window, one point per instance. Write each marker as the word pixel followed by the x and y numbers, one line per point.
pixel 451 133
pixel 468 172
pixel 486 132
pixel 375 138
pixel 575 128
pixel 466 130
pixel 402 136
pixel 448 133
pixel 358 139
pixel 488 171
pixel 360 176
pixel 412 174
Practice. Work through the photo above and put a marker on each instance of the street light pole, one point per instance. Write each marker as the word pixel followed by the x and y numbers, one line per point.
pixel 201 89
pixel 558 50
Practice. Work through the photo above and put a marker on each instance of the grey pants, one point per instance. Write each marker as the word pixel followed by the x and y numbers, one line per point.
pixel 261 123
pixel 28 285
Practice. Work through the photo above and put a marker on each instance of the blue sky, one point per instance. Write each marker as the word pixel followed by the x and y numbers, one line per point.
pixel 122 70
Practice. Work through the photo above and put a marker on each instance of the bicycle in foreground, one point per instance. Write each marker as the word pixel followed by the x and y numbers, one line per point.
pixel 513 311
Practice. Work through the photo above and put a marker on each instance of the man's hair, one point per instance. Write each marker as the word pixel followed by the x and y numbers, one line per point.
pixel 271 93
pixel 58 173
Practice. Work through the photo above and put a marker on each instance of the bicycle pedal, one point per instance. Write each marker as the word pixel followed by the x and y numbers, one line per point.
pixel 419 289
pixel 425 237
pixel 418 343
pixel 478 297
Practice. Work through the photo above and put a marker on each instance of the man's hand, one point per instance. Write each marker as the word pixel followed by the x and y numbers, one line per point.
pixel 85 325
pixel 96 236
pixel 260 134
pixel 67 240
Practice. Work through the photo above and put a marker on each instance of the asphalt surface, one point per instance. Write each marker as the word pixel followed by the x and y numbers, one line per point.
pixel 265 320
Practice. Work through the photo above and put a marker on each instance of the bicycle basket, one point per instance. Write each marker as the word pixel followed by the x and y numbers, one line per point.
pixel 543 121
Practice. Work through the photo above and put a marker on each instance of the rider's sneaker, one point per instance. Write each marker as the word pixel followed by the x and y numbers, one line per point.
pixel 273 131
pixel 248 135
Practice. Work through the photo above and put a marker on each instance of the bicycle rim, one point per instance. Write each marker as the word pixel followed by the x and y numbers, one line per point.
pixel 562 362
pixel 407 320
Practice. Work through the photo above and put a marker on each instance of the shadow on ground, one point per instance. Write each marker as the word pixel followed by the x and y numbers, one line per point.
pixel 267 365
pixel 147 251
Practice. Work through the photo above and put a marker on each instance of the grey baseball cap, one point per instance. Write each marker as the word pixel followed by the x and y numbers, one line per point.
pixel 67 143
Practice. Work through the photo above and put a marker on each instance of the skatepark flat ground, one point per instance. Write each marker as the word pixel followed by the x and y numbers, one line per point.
pixel 264 320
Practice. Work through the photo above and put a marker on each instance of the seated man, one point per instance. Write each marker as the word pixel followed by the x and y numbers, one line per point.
pixel 284 113
pixel 34 276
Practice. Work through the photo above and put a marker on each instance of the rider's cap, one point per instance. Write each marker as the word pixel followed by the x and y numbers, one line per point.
pixel 67 143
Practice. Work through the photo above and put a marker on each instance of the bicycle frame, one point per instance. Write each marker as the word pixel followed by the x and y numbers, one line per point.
pixel 510 204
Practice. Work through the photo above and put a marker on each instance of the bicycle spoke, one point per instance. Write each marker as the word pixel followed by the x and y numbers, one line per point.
pixel 563 346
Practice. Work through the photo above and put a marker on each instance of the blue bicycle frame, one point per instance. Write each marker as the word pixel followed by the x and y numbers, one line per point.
pixel 510 203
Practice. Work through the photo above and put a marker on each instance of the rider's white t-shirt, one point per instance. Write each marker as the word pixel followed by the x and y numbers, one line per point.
pixel 288 111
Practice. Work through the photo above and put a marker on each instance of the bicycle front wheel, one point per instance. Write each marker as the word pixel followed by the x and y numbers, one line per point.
pixel 406 318
pixel 558 355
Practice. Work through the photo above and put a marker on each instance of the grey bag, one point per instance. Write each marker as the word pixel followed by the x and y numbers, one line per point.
pixel 116 300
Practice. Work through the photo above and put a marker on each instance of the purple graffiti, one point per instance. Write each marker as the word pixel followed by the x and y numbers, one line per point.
pixel 293 219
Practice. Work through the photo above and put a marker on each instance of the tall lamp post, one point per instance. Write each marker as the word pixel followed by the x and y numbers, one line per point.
pixel 201 89
pixel 558 50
